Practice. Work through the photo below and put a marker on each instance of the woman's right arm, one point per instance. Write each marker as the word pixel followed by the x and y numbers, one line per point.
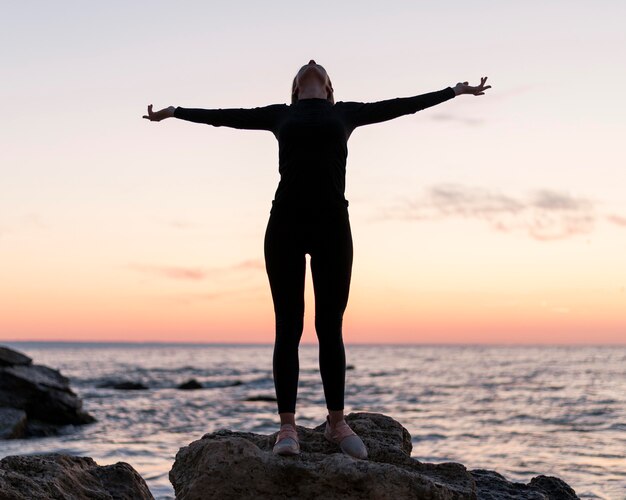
pixel 157 116
pixel 260 118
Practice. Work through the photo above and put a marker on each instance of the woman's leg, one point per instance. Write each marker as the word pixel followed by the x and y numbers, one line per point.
pixel 331 268
pixel 286 267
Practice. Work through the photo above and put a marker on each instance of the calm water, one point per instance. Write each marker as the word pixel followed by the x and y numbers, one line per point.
pixel 521 411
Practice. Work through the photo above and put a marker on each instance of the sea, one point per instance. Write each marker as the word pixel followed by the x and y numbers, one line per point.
pixel 519 410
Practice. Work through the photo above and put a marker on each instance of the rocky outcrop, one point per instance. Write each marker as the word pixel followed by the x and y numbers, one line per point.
pixel 56 475
pixel 13 423
pixel 35 400
pixel 240 465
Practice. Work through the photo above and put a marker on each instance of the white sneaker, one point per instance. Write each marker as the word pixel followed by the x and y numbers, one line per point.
pixel 349 442
pixel 287 441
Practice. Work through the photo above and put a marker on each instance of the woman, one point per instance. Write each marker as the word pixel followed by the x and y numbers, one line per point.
pixel 309 214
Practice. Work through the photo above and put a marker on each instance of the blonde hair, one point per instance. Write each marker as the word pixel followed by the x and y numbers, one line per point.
pixel 330 93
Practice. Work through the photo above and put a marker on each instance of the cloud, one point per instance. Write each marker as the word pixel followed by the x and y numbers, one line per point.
pixel 558 309
pixel 186 298
pixel 544 214
pixel 452 117
pixel 225 281
pixel 26 221
pixel 174 272
pixel 505 93
pixel 179 224
pixel 250 264
pixel 616 219
pixel 190 273
pixel 511 92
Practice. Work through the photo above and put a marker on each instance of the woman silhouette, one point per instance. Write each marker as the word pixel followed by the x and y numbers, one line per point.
pixel 309 214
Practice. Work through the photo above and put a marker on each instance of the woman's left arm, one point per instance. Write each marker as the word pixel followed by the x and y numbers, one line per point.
pixel 364 113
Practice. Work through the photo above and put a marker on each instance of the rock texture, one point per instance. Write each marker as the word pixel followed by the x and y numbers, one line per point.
pixel 35 400
pixel 60 476
pixel 241 465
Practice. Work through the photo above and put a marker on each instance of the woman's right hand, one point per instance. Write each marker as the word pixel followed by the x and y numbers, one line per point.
pixel 159 115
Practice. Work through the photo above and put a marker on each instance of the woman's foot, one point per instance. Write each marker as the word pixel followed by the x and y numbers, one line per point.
pixel 287 441
pixel 349 442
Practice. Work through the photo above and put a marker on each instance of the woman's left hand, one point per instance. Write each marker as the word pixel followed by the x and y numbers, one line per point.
pixel 464 88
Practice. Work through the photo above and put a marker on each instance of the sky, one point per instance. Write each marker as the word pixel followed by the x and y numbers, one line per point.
pixel 493 219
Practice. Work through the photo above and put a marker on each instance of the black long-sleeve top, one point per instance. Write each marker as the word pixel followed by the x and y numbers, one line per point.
pixel 312 139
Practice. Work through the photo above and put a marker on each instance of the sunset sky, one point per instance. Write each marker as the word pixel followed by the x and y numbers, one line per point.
pixel 492 219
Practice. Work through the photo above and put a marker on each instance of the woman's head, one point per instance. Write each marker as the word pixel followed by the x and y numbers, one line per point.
pixel 313 78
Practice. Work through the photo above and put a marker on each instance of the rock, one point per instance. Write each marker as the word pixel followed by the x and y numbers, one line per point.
pixel 222 383
pixel 126 385
pixel 12 423
pixel 190 384
pixel 42 392
pixel 9 357
pixel 57 475
pixel 260 397
pixel 240 465
pixel 491 485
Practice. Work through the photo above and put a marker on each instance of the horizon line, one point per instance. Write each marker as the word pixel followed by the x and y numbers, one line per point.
pixel 433 344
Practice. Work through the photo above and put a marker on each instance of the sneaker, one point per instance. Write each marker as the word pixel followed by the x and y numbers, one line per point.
pixel 287 441
pixel 346 438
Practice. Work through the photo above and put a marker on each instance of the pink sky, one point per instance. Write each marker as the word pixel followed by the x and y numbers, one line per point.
pixel 114 228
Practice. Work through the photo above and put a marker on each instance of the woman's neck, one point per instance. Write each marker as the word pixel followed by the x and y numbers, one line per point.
pixel 313 91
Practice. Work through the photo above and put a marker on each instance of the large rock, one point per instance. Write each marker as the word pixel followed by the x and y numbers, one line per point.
pixel 9 357
pixel 12 423
pixel 56 475
pixel 240 465
pixel 39 391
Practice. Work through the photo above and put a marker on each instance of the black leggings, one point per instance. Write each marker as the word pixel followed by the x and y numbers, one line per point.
pixel 326 236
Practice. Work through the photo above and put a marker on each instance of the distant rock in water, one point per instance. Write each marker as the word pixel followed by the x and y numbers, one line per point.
pixel 35 400
pixel 56 475
pixel 191 384
pixel 222 383
pixel 232 465
pixel 260 397
pixel 125 385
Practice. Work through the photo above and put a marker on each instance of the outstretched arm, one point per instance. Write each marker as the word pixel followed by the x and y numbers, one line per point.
pixel 260 118
pixel 364 113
